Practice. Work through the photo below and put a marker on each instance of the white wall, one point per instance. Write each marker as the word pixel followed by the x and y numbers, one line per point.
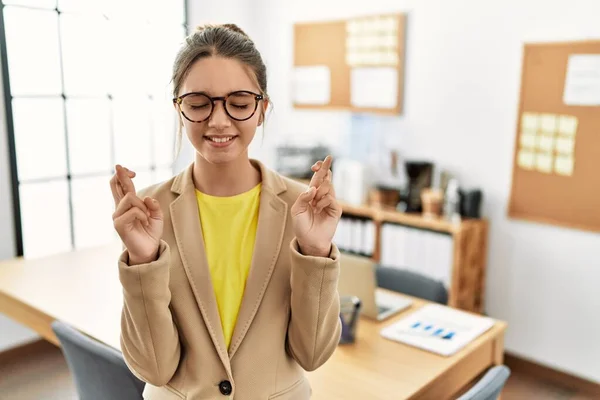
pixel 11 333
pixel 463 79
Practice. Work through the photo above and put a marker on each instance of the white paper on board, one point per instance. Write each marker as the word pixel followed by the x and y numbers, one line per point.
pixel 312 85
pixel 374 87
pixel 582 86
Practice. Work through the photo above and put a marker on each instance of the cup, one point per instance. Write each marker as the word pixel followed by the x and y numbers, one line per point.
pixel 432 201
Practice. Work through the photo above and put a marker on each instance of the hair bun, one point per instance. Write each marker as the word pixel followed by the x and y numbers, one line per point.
pixel 200 28
pixel 231 27
pixel 235 28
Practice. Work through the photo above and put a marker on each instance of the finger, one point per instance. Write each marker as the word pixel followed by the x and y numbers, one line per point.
pixel 130 201
pixel 325 202
pixel 329 180
pixel 129 217
pixel 116 193
pixel 303 201
pixel 322 190
pixel 131 174
pixel 320 175
pixel 125 180
pixel 155 212
pixel 316 166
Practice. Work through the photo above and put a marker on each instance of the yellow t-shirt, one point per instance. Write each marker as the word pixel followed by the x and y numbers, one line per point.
pixel 229 229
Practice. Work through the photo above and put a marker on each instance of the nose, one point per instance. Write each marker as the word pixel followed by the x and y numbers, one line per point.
pixel 219 119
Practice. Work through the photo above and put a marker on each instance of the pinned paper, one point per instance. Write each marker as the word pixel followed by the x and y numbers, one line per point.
pixel 567 125
pixel 529 122
pixel 563 165
pixel 526 159
pixel 372 41
pixel 544 136
pixel 545 143
pixel 543 162
pixel 548 123
pixel 375 87
pixel 565 145
pixel 582 85
pixel 528 140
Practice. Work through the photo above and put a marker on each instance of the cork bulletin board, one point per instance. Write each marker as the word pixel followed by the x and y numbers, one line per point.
pixel 355 64
pixel 556 166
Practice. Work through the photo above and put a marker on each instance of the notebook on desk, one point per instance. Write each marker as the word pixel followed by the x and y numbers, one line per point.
pixel 438 329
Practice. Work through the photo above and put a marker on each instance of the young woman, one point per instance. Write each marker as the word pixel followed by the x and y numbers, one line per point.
pixel 229 273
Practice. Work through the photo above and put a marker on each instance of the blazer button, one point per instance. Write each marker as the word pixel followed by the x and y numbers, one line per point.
pixel 225 388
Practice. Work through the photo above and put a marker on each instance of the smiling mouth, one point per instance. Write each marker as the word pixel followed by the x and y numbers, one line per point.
pixel 216 139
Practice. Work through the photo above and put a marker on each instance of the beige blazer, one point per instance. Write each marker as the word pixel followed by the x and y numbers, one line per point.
pixel 171 334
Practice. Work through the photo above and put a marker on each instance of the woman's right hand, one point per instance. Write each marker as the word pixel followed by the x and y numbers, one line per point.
pixel 139 222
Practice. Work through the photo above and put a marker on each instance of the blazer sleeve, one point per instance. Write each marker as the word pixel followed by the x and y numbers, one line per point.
pixel 149 337
pixel 314 329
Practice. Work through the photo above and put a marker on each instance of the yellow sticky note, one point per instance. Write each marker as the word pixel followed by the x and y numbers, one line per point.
pixel 392 25
pixel 528 140
pixel 545 143
pixel 525 159
pixel 565 146
pixel 391 41
pixel 567 125
pixel 529 122
pixel 352 27
pixel 543 162
pixel 391 58
pixel 564 165
pixel 352 43
pixel 548 123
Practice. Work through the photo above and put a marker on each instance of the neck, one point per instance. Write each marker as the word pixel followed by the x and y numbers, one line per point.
pixel 228 179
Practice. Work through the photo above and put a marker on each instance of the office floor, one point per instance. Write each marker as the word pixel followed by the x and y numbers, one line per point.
pixel 45 375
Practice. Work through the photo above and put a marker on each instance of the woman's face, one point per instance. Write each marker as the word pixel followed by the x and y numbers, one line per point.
pixel 220 138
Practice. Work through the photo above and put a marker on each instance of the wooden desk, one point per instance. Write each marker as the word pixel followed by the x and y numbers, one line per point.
pixel 375 368
pixel 82 288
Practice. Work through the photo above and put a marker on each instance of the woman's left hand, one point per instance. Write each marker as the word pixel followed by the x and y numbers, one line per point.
pixel 316 213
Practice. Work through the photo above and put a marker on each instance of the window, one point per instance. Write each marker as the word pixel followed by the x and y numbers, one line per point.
pixel 87 86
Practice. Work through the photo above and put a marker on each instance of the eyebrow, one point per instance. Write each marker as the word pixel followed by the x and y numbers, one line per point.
pixel 208 93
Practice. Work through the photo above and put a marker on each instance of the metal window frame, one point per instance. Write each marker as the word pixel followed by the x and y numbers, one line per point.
pixel 8 99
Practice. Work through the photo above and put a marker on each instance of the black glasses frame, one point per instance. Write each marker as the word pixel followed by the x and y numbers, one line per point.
pixel 257 99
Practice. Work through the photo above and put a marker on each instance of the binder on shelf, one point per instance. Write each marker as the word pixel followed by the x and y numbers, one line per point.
pixel 428 253
pixel 356 235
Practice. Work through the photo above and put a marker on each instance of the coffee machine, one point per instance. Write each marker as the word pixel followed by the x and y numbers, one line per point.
pixel 420 175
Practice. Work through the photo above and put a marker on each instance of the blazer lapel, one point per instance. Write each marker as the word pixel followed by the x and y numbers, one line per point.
pixel 272 218
pixel 190 242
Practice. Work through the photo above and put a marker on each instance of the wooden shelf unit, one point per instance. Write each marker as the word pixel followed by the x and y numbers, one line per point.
pixel 469 249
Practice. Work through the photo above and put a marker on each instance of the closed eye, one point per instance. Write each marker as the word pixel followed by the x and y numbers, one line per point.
pixel 193 107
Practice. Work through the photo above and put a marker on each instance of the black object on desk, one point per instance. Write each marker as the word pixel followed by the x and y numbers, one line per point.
pixel 349 312
pixel 420 175
pixel 470 203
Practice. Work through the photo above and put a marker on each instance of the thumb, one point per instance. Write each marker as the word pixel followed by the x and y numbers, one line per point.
pixel 154 208
pixel 303 201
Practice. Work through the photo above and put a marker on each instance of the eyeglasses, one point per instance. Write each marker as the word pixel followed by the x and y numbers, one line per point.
pixel 198 107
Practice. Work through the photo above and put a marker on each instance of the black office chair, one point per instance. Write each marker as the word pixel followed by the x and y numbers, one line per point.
pixel 99 371
pixel 411 283
pixel 489 386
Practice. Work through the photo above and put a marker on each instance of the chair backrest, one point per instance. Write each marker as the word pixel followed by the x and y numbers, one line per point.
pixel 99 371
pixel 411 283
pixel 489 386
